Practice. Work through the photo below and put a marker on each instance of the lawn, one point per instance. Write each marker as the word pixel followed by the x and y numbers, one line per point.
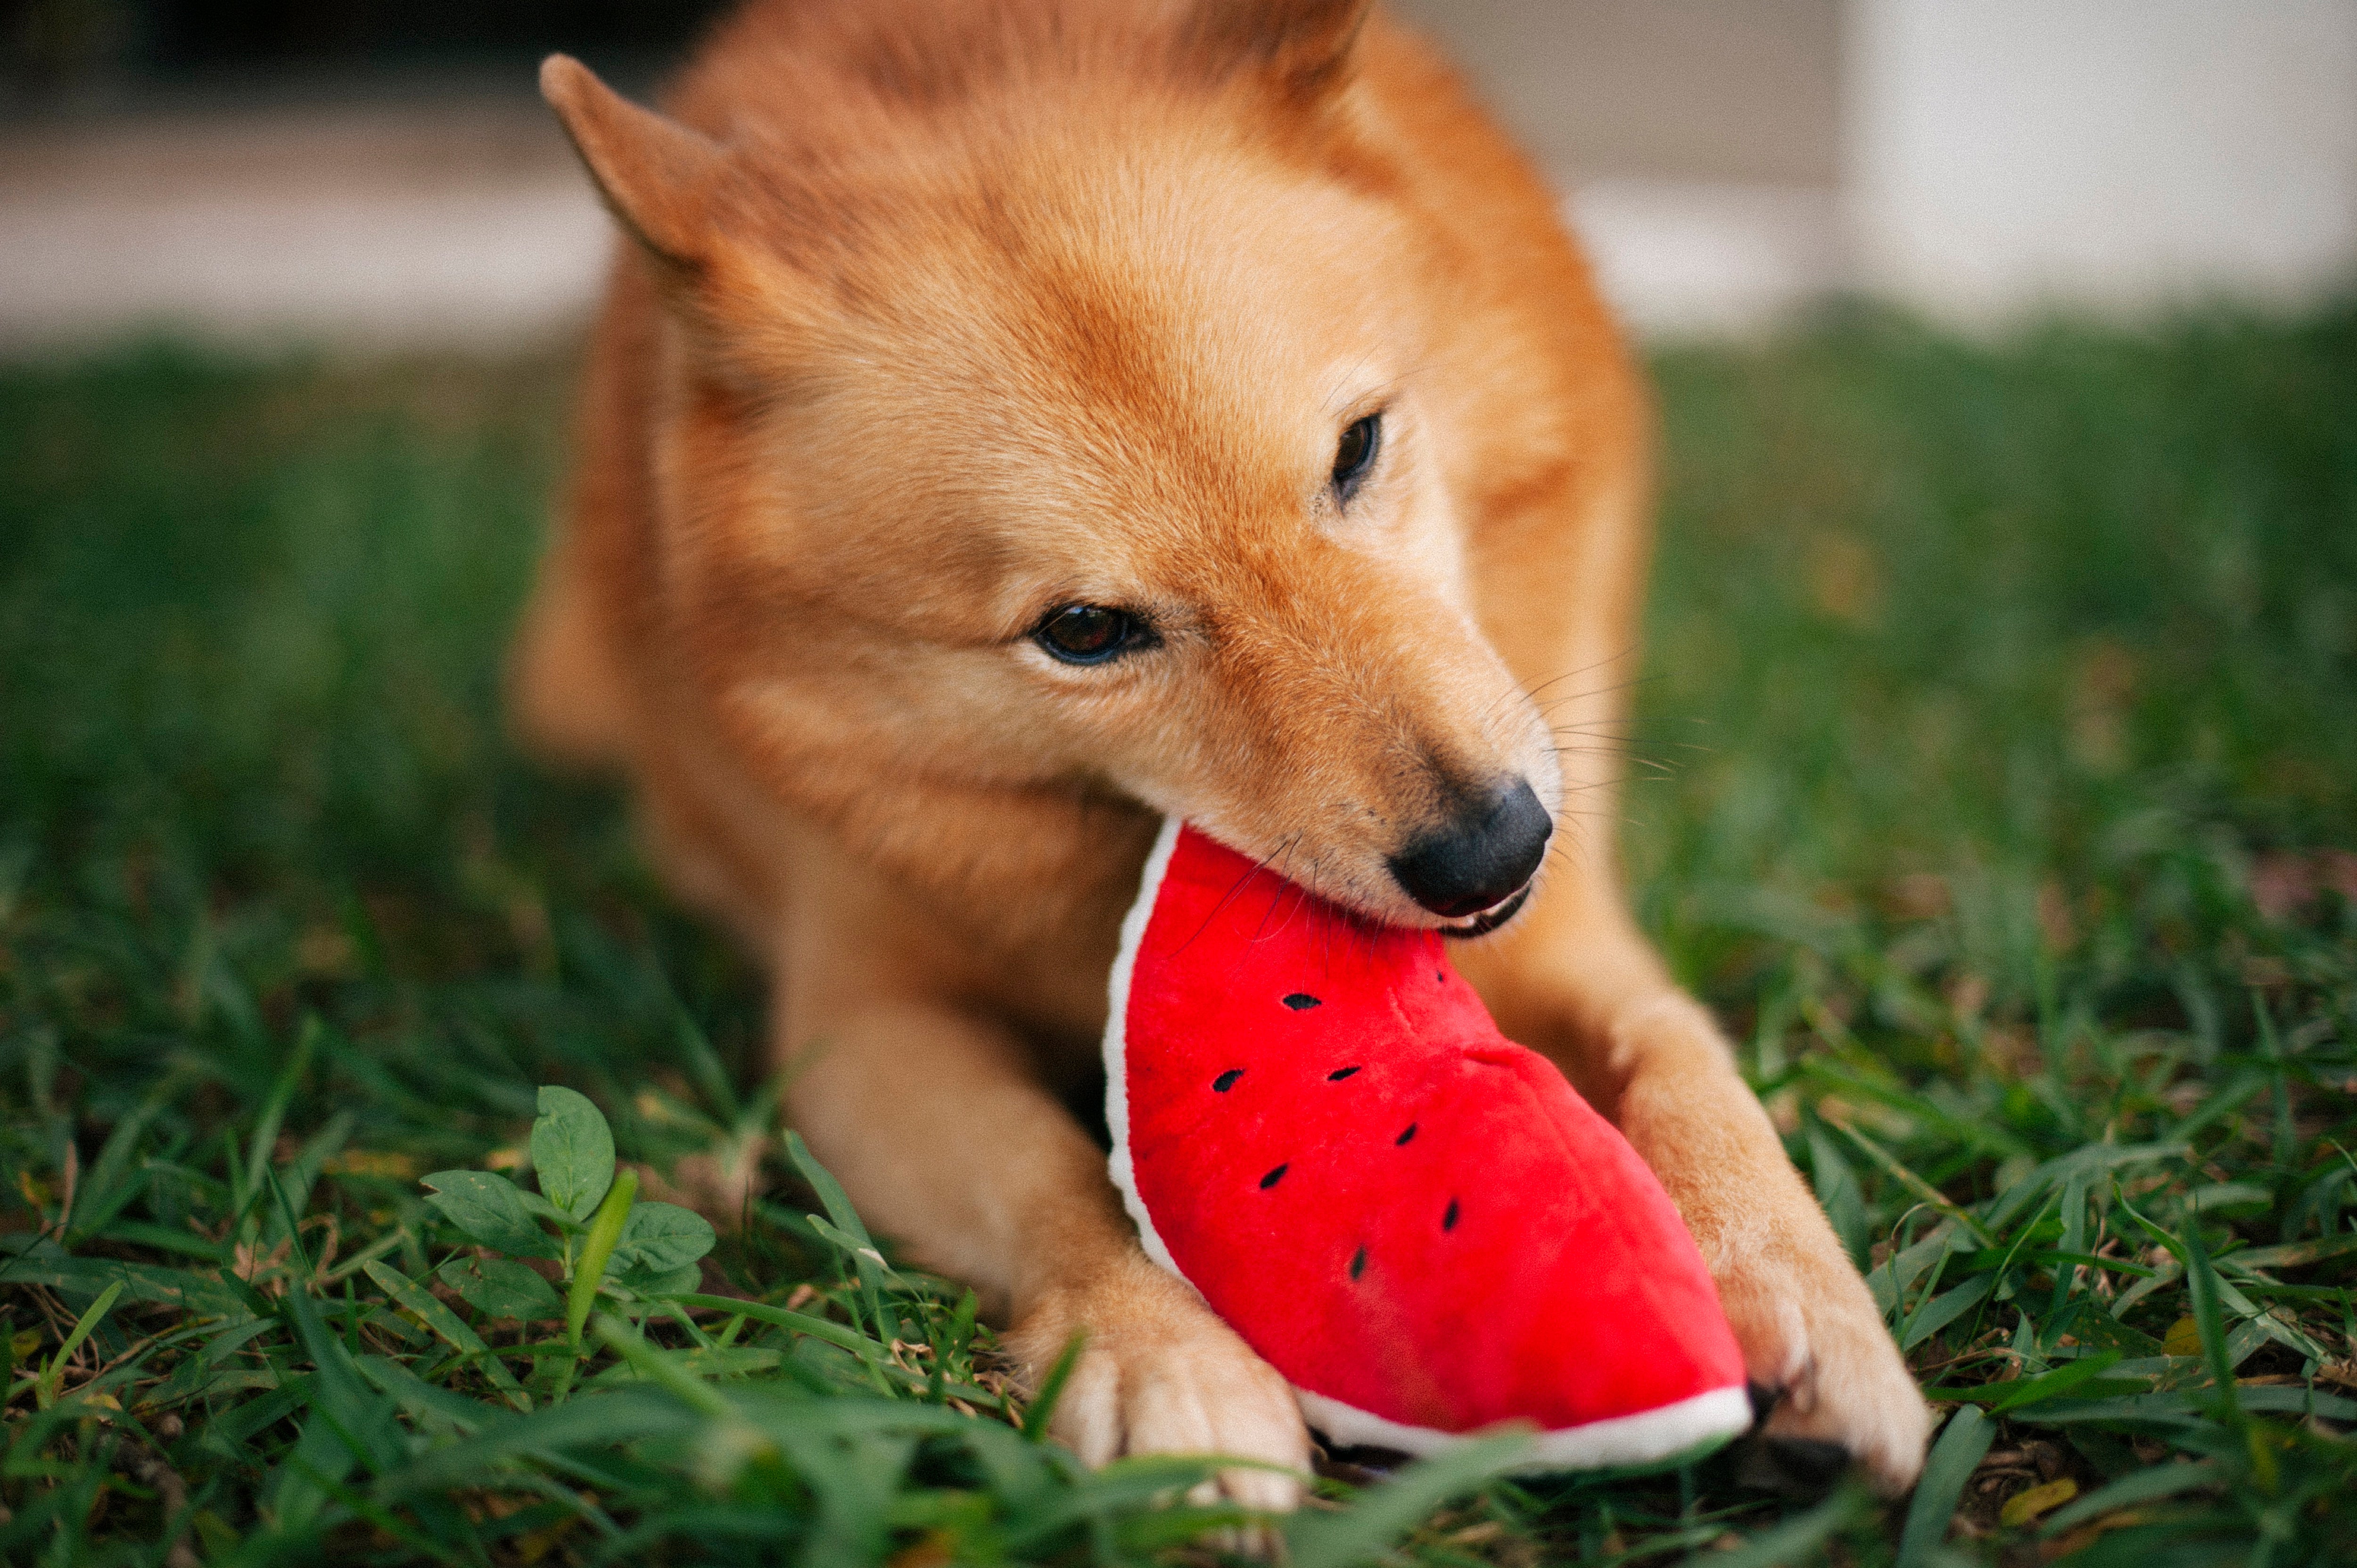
pixel 1994 774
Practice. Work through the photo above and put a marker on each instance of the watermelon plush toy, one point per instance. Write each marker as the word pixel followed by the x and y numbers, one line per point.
pixel 1419 1223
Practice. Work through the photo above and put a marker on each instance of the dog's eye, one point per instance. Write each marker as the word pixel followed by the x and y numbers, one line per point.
pixel 1089 634
pixel 1355 454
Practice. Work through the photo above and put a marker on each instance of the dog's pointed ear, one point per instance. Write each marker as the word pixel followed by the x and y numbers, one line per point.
pixel 1304 45
pixel 655 174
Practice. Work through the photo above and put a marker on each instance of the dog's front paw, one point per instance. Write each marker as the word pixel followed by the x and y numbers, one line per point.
pixel 1818 1355
pixel 1158 1373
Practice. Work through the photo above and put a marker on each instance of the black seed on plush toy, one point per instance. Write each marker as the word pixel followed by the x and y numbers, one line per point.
pixel 1227 1081
pixel 1271 1179
pixel 1448 1220
pixel 1441 975
pixel 1359 1262
pixel 1340 1073
pixel 1403 1137
pixel 1301 1001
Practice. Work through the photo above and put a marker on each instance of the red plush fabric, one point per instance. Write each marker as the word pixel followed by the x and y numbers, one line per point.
pixel 1319 1127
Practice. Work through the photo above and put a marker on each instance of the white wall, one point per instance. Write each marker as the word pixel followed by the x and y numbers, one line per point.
pixel 1728 160
pixel 2004 155
pixel 1715 91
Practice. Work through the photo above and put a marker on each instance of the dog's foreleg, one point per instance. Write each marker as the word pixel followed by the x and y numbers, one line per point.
pixel 1581 985
pixel 936 1126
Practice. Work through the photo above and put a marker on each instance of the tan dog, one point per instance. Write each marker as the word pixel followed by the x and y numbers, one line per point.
pixel 1014 419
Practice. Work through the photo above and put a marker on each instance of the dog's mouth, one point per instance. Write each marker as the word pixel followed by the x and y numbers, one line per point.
pixel 1489 919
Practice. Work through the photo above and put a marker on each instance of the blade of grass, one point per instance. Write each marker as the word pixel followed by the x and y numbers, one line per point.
pixel 597 1250
pixel 659 1368
pixel 1797 1539
pixel 866 1258
pixel 1953 1458
pixel 429 1309
pixel 1380 1515
pixel 2210 1320
pixel 876 1357
pixel 274 1109
pixel 2002 1397
pixel 1912 1182
pixel 52 1377
pixel 1042 1411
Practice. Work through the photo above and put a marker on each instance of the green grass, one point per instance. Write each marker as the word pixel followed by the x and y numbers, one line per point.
pixel 1997 778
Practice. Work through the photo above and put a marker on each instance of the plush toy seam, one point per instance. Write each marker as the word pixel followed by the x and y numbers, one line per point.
pixel 1120 1164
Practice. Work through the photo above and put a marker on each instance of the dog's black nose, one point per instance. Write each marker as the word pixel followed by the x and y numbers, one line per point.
pixel 1480 857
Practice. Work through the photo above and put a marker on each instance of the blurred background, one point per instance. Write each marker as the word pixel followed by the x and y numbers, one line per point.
pixel 1992 769
pixel 362 172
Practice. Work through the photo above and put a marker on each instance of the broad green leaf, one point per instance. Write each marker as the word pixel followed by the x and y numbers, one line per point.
pixel 490 1211
pixel 541 1209
pixel 662 1237
pixel 647 1282
pixel 502 1287
pixel 572 1151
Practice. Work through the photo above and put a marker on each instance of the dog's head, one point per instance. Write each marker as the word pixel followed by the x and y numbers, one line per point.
pixel 1039 419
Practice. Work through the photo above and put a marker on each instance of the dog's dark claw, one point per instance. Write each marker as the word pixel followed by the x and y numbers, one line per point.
pixel 1362 1465
pixel 1815 1463
pixel 1795 1467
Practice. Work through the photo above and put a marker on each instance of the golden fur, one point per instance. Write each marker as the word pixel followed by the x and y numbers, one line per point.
pixel 939 313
